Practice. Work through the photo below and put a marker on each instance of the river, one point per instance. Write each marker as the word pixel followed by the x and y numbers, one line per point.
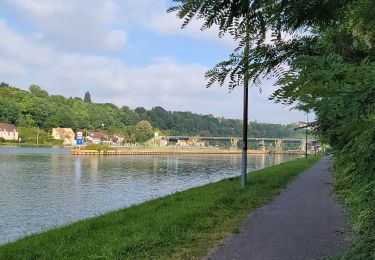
pixel 41 188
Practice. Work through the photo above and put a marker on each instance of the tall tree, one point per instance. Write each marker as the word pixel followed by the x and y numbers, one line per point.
pixel 143 131
pixel 245 22
pixel 87 97
pixel 258 54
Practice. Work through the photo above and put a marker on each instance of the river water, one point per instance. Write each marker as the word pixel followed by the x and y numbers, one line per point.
pixel 42 188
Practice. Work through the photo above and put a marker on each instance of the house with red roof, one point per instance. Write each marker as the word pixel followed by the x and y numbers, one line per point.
pixel 8 131
pixel 96 137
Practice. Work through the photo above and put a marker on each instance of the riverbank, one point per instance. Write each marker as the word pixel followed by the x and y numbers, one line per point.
pixel 28 145
pixel 355 188
pixel 183 225
pixel 174 151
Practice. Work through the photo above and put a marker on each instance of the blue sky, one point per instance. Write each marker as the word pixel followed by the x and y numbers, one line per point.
pixel 126 52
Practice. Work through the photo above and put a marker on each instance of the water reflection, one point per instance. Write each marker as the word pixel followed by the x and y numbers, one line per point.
pixel 77 169
pixel 42 188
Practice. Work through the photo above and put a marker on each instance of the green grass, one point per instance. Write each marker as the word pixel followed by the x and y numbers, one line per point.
pixel 185 225
pixel 356 191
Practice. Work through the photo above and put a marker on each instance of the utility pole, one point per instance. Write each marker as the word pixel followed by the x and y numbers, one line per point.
pixel 244 136
pixel 245 105
pixel 37 138
pixel 307 122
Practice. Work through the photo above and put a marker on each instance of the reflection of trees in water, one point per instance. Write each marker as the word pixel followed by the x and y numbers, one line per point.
pixel 77 169
pixel 158 167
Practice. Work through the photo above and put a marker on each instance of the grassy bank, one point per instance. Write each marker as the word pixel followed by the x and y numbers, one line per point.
pixel 355 187
pixel 183 225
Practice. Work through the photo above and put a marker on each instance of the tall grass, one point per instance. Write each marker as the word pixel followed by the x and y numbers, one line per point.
pixel 355 185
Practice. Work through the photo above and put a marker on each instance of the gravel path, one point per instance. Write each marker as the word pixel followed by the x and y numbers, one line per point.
pixel 303 222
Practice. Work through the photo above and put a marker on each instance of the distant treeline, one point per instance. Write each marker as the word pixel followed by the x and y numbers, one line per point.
pixel 37 108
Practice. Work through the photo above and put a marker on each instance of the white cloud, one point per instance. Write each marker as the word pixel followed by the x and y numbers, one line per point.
pixel 16 48
pixel 49 57
pixel 153 15
pixel 73 25
pixel 9 68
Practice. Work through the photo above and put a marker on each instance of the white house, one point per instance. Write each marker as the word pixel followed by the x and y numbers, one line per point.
pixel 8 131
pixel 65 134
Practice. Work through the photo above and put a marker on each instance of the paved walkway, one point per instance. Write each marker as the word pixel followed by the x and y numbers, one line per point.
pixel 304 222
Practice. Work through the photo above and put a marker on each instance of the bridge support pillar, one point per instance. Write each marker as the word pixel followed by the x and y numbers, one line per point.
pixel 234 143
pixel 278 144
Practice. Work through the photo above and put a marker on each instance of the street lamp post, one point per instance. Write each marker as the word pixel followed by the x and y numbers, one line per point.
pixel 244 135
pixel 307 122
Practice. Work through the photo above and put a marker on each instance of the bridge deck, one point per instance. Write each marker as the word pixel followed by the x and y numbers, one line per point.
pixel 239 138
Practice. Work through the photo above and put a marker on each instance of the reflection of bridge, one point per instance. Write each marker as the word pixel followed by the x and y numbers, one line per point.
pixel 278 142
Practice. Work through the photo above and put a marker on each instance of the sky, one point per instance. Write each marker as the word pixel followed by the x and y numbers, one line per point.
pixel 125 52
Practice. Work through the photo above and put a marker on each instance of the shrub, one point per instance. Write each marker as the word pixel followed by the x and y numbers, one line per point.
pixel 98 147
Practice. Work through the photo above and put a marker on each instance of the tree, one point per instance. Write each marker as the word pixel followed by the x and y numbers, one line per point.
pixel 26 120
pixel 37 91
pixel 337 82
pixel 244 20
pixel 87 97
pixel 143 131
pixel 5 85
pixel 256 55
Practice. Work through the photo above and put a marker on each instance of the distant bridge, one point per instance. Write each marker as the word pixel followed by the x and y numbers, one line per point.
pixel 278 142
pixel 295 140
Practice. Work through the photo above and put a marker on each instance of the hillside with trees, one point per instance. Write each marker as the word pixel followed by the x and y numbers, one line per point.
pixel 36 108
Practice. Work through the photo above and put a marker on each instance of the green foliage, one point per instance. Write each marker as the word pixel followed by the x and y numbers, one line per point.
pixel 2 140
pixel 37 108
pixel 30 135
pixel 187 123
pixel 98 147
pixel 355 171
pixel 143 131
pixel 29 110
pixel 87 97
pixel 337 82
pixel 258 54
pixel 37 91
pixel 184 225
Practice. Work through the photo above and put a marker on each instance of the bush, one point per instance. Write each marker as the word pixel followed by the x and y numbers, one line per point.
pixel 98 147
pixel 355 185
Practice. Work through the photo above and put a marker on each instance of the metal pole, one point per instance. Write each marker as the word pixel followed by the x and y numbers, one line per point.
pixel 307 116
pixel 244 136
pixel 37 138
pixel 245 104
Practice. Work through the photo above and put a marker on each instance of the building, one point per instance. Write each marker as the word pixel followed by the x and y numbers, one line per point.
pixel 299 124
pixel 96 137
pixel 183 142
pixel 65 134
pixel 157 140
pixel 116 139
pixel 8 131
